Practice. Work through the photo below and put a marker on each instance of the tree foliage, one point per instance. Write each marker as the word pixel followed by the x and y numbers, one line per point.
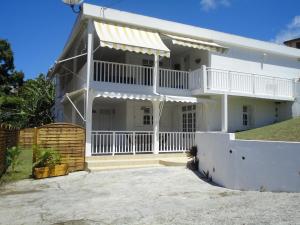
pixel 38 101
pixel 10 83
pixel 23 104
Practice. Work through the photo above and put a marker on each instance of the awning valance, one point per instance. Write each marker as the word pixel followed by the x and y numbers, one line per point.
pixel 193 43
pixel 131 96
pixel 167 98
pixel 130 39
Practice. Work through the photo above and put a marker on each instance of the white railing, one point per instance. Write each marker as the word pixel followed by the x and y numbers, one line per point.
pixel 176 141
pixel 240 82
pixel 120 142
pixel 132 142
pixel 122 73
pixel 173 79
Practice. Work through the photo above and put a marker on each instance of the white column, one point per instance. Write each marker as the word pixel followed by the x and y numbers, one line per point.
pixel 204 78
pixel 155 127
pixel 156 74
pixel 89 99
pixel 224 113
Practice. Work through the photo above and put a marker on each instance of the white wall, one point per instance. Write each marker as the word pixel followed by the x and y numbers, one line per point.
pixel 296 104
pixel 249 165
pixel 262 113
pixel 170 118
pixel 253 61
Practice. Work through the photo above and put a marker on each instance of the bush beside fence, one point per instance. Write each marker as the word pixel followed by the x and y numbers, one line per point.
pixel 8 138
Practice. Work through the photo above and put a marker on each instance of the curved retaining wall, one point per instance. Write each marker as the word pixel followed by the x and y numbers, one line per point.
pixel 249 165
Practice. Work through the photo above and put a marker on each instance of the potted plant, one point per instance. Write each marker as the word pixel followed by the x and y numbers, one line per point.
pixel 48 164
pixel 192 154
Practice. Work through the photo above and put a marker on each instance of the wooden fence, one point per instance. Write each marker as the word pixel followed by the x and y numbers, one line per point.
pixel 26 138
pixel 8 138
pixel 67 139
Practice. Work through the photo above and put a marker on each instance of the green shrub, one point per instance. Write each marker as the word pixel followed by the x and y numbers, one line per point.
pixel 46 158
pixel 13 157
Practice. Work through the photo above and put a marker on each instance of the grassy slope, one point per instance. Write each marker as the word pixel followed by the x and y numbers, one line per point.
pixel 288 130
pixel 23 170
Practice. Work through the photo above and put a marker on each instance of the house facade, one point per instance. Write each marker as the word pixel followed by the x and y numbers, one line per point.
pixel 144 85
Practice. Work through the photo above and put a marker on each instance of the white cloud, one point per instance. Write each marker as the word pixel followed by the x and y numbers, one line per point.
pixel 291 31
pixel 208 5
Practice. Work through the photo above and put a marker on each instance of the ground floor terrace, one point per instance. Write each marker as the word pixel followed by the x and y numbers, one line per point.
pixel 119 123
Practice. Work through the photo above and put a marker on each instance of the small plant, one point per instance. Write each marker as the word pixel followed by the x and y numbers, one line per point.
pixel 46 158
pixel 192 154
pixel 206 175
pixel 13 158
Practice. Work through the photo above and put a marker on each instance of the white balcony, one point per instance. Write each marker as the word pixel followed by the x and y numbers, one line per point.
pixel 247 84
pixel 110 76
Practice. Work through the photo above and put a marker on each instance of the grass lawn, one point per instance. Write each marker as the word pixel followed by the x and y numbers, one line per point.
pixel 23 171
pixel 288 130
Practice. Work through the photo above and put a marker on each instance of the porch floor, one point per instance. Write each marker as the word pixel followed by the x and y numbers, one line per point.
pixel 96 163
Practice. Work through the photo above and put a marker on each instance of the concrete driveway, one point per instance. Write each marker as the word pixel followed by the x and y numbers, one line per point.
pixel 161 195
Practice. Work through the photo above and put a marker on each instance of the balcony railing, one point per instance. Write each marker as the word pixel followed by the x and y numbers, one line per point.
pixel 173 79
pixel 206 80
pixel 139 75
pixel 122 73
pixel 132 142
pixel 247 83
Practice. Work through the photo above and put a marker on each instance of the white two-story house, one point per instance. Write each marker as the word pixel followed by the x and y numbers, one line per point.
pixel 140 84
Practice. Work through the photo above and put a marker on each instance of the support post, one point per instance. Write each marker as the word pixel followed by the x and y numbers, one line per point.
pixel 204 78
pixel 155 127
pixel 156 74
pixel 224 113
pixel 89 99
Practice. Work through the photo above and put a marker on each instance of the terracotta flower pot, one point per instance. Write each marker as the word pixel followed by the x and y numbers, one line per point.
pixel 59 170
pixel 42 172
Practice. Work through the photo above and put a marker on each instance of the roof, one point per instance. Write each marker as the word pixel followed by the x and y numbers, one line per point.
pixel 164 26
pixel 292 40
pixel 173 28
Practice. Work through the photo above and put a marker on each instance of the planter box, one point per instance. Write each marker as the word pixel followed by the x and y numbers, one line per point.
pixel 59 170
pixel 42 172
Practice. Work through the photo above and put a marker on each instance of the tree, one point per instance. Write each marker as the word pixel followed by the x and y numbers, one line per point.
pixel 10 82
pixel 38 100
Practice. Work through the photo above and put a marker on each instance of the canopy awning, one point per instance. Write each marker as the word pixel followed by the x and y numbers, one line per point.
pixel 130 39
pixel 193 43
pixel 131 96
pixel 167 98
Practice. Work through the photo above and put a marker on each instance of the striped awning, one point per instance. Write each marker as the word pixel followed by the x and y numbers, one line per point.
pixel 193 43
pixel 167 98
pixel 130 39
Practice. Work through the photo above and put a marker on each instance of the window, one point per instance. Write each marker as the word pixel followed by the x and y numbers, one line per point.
pixel 189 118
pixel 246 116
pixel 147 116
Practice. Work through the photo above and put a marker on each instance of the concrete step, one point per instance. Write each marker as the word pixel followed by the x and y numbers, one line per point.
pixel 92 169
pixel 120 162
pixel 136 156
pixel 134 161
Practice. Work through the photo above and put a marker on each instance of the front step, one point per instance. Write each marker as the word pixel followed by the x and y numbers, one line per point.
pixel 97 163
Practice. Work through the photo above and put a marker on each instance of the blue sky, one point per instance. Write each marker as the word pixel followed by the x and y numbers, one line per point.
pixel 38 29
